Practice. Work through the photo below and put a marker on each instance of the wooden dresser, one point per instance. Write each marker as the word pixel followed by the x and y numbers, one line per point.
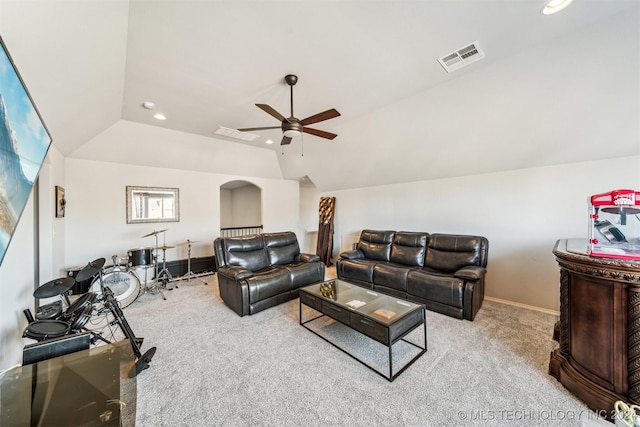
pixel 598 358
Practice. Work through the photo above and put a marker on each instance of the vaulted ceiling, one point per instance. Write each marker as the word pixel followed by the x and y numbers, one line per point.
pixel 551 89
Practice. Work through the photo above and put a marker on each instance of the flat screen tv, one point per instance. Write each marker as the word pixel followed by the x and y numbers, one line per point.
pixel 24 143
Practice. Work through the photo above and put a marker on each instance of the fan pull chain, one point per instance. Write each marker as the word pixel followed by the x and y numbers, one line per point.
pixel 302 143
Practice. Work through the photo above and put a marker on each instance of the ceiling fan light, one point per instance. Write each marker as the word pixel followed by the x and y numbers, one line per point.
pixel 292 133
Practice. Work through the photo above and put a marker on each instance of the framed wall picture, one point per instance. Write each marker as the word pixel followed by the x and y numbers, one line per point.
pixel 152 204
pixel 60 202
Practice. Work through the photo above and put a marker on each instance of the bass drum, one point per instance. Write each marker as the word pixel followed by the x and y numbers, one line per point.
pixel 144 273
pixel 124 284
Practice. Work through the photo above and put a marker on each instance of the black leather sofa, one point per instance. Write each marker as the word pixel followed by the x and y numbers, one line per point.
pixel 445 272
pixel 261 271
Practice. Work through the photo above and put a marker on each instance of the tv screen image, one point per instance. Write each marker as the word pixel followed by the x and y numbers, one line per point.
pixel 24 143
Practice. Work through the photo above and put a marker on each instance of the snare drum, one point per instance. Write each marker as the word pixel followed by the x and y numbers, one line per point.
pixel 45 329
pixel 142 256
pixel 124 284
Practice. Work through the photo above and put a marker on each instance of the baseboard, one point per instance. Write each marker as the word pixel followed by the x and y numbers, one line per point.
pixel 177 269
pixel 517 304
pixel 198 266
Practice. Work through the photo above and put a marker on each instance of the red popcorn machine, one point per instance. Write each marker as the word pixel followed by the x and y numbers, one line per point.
pixel 614 224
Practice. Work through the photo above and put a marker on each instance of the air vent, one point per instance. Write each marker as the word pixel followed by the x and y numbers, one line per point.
pixel 461 57
pixel 232 133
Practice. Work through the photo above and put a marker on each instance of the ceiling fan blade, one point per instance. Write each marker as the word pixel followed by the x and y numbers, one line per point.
pixel 285 140
pixel 325 115
pixel 250 129
pixel 269 110
pixel 320 133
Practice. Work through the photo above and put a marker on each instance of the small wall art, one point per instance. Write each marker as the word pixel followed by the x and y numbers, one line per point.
pixel 61 202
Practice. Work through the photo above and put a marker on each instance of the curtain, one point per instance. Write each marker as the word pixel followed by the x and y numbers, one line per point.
pixel 325 229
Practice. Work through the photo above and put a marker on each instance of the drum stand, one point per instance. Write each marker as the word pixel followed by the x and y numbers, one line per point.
pixel 190 274
pixel 155 287
pixel 111 304
pixel 156 280
pixel 164 276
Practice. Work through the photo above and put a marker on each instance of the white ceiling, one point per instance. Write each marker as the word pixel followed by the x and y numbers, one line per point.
pixel 92 63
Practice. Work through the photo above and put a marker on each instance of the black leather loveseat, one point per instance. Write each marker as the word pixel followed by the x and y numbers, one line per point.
pixel 444 272
pixel 260 271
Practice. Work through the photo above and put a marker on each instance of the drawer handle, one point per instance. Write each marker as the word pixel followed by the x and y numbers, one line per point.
pixel 366 322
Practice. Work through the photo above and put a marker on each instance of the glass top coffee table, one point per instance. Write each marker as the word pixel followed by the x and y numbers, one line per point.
pixel 383 318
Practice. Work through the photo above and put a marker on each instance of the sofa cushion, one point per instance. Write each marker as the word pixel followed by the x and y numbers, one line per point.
pixel 434 286
pixel 246 252
pixel 391 276
pixel 305 273
pixel 409 248
pixel 268 282
pixel 357 269
pixel 448 253
pixel 281 247
pixel 376 245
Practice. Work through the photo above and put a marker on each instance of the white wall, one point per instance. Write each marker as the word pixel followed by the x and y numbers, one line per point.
pixel 246 206
pixel 16 285
pixel 18 270
pixel 522 213
pixel 309 207
pixel 52 229
pixel 96 218
pixel 226 215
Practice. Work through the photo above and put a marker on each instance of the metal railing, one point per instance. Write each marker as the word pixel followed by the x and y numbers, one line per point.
pixel 240 231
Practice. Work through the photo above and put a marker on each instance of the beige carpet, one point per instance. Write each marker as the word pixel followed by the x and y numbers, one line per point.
pixel 214 368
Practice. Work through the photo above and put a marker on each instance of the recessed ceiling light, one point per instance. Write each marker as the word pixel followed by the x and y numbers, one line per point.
pixel 554 6
pixel 149 105
pixel 160 116
pixel 268 141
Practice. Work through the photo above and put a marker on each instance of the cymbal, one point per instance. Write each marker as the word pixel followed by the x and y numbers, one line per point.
pixel 90 269
pixel 54 287
pixel 165 247
pixel 98 263
pixel 153 233
pixel 621 210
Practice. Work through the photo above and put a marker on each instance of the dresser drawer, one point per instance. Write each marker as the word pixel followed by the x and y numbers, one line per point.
pixel 335 312
pixel 311 301
pixel 370 328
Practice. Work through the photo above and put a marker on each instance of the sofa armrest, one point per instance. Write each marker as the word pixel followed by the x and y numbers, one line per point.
pixel 235 273
pixel 307 258
pixel 470 273
pixel 354 254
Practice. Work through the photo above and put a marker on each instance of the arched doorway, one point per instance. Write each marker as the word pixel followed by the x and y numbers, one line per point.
pixel 240 209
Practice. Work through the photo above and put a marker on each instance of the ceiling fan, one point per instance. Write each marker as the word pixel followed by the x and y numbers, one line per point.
pixel 292 126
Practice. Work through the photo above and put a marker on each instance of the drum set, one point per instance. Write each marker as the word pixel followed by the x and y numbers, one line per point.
pixel 143 270
pixel 64 317
pixel 112 289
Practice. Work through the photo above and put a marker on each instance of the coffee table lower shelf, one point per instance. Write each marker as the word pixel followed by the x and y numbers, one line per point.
pixel 391 376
